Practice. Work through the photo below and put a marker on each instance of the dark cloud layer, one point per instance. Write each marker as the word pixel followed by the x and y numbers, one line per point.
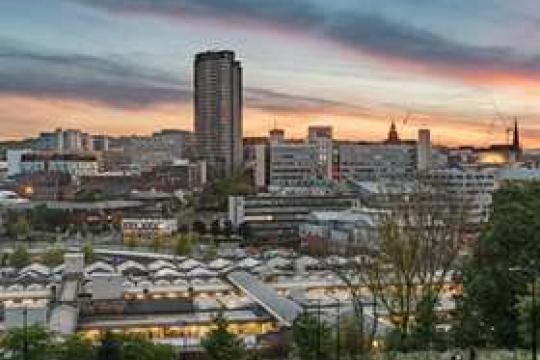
pixel 364 31
pixel 76 76
pixel 118 83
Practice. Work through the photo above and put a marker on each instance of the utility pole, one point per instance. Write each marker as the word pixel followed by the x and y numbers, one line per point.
pixel 338 335
pixel 338 324
pixel 533 312
pixel 319 329
pixel 25 330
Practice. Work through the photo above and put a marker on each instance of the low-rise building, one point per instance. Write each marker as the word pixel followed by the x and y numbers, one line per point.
pixel 350 231
pixel 473 185
pixel 276 216
pixel 148 227
pixel 373 161
pixel 293 164
pixel 75 165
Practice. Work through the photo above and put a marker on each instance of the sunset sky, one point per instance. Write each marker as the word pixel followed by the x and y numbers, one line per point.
pixel 463 68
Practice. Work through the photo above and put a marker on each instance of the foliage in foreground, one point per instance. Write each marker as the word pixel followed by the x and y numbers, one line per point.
pixel 487 312
pixel 221 344
pixel 42 345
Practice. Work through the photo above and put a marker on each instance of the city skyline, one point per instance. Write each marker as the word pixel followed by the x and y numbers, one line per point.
pixel 124 67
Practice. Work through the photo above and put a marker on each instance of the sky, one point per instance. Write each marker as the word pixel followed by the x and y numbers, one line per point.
pixel 462 68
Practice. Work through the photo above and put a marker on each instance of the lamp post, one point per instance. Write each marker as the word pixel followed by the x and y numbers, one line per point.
pixel 532 272
pixel 338 324
pixel 318 329
pixel 25 329
pixel 185 340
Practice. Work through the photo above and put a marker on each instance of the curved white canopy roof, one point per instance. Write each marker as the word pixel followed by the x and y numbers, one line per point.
pixel 190 264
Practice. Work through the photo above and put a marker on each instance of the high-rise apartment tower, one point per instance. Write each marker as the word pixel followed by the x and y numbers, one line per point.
pixel 218 111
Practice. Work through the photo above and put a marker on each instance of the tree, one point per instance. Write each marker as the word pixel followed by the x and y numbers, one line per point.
pixel 236 185
pixel 420 234
pixel 183 244
pixel 20 257
pixel 352 341
pixel 44 218
pixel 524 307
pixel 140 348
pixel 312 338
pixel 109 348
pixel 88 251
pixel 228 228
pixel 39 342
pixel 20 228
pixel 131 241
pixel 199 227
pixel 486 311
pixel 245 232
pixel 424 333
pixel 75 347
pixel 221 344
pixel 215 228
pixel 156 242
pixel 54 255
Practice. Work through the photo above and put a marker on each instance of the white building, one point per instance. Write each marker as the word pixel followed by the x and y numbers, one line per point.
pixel 372 161
pixel 349 231
pixel 321 138
pixel 293 164
pixel 76 165
pixel 474 185
pixel 148 226
pixel 14 161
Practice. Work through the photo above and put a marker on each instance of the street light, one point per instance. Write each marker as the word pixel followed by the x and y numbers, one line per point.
pixel 338 324
pixel 532 272
pixel 25 328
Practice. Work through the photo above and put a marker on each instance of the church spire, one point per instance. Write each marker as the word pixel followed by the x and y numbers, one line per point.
pixel 393 137
pixel 515 142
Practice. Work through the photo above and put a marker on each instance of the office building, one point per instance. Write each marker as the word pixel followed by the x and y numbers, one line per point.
pixel 424 150
pixel 278 216
pixel 75 165
pixel 218 111
pixel 321 138
pixel 293 164
pixel 373 161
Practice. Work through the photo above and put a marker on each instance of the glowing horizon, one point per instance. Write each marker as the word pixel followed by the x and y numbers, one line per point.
pixel 123 67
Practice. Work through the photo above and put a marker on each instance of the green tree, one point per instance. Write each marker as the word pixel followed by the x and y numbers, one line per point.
pixel 109 347
pixel 140 348
pixel 352 337
pixel 183 244
pixel 424 332
pixel 88 251
pixel 20 228
pixel 44 218
pixel 39 343
pixel 54 255
pixel 524 308
pixel 20 257
pixel 156 242
pixel 221 344
pixel 75 347
pixel 486 312
pixel 312 338
pixel 236 185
